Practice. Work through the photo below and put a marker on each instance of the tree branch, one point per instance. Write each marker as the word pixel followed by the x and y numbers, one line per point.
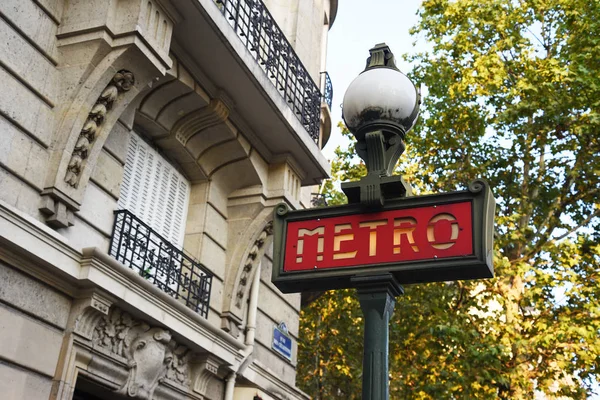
pixel 577 227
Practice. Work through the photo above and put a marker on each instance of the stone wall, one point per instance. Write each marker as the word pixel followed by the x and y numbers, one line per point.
pixel 78 77
pixel 30 92
pixel 275 308
pixel 33 317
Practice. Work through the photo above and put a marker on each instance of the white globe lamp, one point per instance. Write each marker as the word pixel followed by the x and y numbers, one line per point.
pixel 379 107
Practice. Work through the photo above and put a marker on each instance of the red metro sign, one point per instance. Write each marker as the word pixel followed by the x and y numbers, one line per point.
pixel 378 238
pixel 418 239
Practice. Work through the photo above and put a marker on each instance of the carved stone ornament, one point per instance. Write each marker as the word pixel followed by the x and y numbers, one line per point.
pixel 250 260
pixel 121 82
pixel 206 369
pixel 152 356
pixel 87 311
pixel 216 112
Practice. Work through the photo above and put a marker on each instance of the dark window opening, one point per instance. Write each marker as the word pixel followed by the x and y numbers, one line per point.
pixel 85 389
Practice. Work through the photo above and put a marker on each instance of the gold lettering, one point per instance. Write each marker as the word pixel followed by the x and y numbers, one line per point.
pixel 401 228
pixel 373 234
pixel 431 231
pixel 337 242
pixel 320 231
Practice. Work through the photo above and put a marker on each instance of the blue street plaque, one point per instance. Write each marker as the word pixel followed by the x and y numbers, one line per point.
pixel 282 343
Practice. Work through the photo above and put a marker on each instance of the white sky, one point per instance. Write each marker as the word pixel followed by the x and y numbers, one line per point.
pixel 359 25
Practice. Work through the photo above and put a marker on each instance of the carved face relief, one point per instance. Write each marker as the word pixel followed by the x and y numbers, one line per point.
pixel 148 357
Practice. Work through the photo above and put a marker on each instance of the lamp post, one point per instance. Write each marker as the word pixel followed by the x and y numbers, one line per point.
pixel 380 106
pixel 384 237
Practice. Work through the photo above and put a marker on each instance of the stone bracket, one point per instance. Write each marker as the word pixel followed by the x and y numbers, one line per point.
pixel 96 89
pixel 204 369
pixel 231 323
pixel 215 113
pixel 87 312
pixel 58 208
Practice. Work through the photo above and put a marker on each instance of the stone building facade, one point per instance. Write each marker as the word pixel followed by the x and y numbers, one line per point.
pixel 143 147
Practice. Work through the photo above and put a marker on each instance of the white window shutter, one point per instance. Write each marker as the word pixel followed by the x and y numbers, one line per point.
pixel 154 191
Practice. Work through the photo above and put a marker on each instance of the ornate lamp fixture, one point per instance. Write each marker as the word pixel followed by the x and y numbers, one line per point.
pixel 379 107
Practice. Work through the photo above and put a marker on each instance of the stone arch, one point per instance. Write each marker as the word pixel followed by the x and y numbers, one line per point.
pixel 100 98
pixel 245 257
pixel 193 129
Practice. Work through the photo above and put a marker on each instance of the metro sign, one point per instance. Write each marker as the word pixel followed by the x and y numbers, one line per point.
pixel 417 239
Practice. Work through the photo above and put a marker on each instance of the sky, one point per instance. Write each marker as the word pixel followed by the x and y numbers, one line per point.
pixel 359 25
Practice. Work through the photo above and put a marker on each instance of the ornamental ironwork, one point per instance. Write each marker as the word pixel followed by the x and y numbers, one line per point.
pixel 318 200
pixel 153 257
pixel 266 42
pixel 327 89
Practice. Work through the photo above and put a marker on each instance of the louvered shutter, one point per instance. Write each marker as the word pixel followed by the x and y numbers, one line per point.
pixel 154 191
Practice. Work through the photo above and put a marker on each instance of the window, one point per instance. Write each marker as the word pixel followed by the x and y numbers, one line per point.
pixel 154 191
pixel 89 390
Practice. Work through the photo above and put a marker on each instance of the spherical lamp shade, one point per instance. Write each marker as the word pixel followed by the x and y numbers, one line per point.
pixel 380 96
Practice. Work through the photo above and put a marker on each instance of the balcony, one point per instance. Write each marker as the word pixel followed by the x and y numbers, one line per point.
pixel 234 56
pixel 140 248
pixel 326 101
pixel 258 31
pixel 327 89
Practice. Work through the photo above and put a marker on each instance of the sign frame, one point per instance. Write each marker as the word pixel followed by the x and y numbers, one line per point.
pixel 475 266
pixel 280 331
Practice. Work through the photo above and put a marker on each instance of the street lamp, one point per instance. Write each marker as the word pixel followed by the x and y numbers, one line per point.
pixel 375 247
pixel 379 107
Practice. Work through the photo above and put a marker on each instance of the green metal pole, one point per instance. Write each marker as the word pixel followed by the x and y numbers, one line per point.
pixel 376 294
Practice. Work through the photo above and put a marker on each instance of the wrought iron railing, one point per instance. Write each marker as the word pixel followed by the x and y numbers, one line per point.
pixel 318 200
pixel 327 89
pixel 140 248
pixel 257 29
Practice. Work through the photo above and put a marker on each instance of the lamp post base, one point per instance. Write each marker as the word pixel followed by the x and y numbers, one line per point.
pixel 377 297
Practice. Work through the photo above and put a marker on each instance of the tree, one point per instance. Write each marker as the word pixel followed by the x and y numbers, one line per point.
pixel 513 96
pixel 331 331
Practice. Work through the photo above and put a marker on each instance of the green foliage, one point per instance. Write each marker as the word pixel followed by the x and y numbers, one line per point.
pixel 346 166
pixel 330 361
pixel 513 96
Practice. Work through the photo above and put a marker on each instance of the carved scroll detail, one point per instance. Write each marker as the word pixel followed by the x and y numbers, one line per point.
pixel 123 81
pixel 250 260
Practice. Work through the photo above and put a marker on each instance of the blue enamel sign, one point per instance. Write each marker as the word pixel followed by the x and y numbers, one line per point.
pixel 282 343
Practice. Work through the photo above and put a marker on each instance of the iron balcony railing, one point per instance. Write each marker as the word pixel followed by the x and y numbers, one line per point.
pixel 140 248
pixel 327 89
pixel 257 29
pixel 318 200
